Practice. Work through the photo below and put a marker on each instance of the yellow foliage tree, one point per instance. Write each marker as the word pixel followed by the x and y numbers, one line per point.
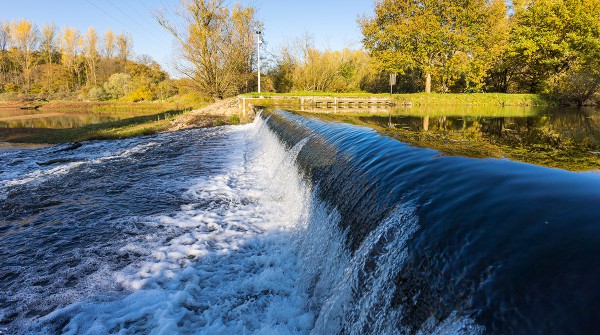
pixel 25 38
pixel 90 50
pixel 109 44
pixel 70 48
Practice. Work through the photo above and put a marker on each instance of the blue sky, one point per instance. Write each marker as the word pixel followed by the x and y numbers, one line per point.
pixel 332 23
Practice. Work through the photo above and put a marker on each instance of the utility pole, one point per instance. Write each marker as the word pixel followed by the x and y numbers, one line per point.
pixel 258 43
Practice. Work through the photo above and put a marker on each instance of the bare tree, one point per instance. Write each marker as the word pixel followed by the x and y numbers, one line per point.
pixel 4 35
pixel 215 43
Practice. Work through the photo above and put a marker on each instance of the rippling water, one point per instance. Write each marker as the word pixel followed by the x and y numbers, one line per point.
pixel 292 226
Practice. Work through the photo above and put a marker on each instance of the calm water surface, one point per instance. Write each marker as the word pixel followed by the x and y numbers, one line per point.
pixel 567 138
pixel 17 118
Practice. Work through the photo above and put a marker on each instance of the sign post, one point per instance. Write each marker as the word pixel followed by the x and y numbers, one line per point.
pixel 392 82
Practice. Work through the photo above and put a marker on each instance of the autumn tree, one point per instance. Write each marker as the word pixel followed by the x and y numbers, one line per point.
pixel 449 39
pixel 47 49
pixel 124 44
pixel 48 41
pixel 90 50
pixel 4 61
pixel 70 48
pixel 215 43
pixel 109 44
pixel 282 71
pixel 25 37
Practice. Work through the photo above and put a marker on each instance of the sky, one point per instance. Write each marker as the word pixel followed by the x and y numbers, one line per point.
pixel 331 23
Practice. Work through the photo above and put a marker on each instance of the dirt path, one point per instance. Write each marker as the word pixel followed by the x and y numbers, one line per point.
pixel 205 116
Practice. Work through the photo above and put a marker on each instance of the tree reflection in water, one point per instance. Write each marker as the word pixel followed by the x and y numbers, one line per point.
pixel 565 138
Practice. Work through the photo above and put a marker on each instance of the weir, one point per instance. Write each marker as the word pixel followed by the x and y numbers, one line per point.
pixel 481 245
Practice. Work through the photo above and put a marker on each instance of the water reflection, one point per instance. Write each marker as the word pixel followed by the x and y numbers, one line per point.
pixel 556 137
pixel 56 120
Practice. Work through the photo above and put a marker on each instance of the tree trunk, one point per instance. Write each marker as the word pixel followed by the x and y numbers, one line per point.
pixel 428 83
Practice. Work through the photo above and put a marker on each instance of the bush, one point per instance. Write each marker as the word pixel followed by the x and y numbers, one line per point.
pixel 118 85
pixel 141 93
pixel 97 94
pixel 166 89
pixel 576 86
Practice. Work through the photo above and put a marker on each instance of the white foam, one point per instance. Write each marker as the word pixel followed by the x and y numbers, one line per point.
pixel 253 251
pixel 228 266
pixel 40 174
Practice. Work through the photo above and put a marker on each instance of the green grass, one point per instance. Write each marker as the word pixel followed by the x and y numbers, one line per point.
pixel 475 99
pixel 424 99
pixel 136 119
pixel 129 127
pixel 440 110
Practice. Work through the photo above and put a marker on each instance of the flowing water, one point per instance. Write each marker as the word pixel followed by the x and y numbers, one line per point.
pixel 292 225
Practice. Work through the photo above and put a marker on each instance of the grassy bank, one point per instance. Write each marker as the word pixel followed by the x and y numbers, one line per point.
pixel 134 119
pixel 424 99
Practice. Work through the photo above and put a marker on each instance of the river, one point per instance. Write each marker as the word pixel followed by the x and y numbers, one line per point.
pixel 292 225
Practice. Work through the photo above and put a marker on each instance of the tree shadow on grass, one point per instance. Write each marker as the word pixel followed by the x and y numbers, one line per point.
pixel 133 126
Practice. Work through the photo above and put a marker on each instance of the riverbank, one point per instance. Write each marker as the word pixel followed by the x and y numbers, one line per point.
pixel 133 119
pixel 423 99
pixel 145 118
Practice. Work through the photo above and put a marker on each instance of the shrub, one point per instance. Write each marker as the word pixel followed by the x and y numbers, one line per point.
pixel 97 94
pixel 141 93
pixel 118 85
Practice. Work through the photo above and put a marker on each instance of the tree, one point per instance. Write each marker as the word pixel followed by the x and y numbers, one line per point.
pixel 25 37
pixel 124 44
pixel 449 39
pixel 555 47
pixel 4 60
pixel 109 44
pixel 283 70
pixel 90 50
pixel 215 43
pixel 47 49
pixel 70 48
pixel 48 42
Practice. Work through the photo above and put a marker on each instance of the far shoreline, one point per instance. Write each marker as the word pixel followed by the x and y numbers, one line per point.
pixel 155 117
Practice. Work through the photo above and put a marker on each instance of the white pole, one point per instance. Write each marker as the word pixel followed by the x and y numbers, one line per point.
pixel 258 43
pixel 258 47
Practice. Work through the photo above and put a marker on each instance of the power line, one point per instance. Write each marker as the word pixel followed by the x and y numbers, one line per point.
pixel 143 4
pixel 121 22
pixel 149 18
pixel 125 13
pixel 143 17
pixel 108 14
